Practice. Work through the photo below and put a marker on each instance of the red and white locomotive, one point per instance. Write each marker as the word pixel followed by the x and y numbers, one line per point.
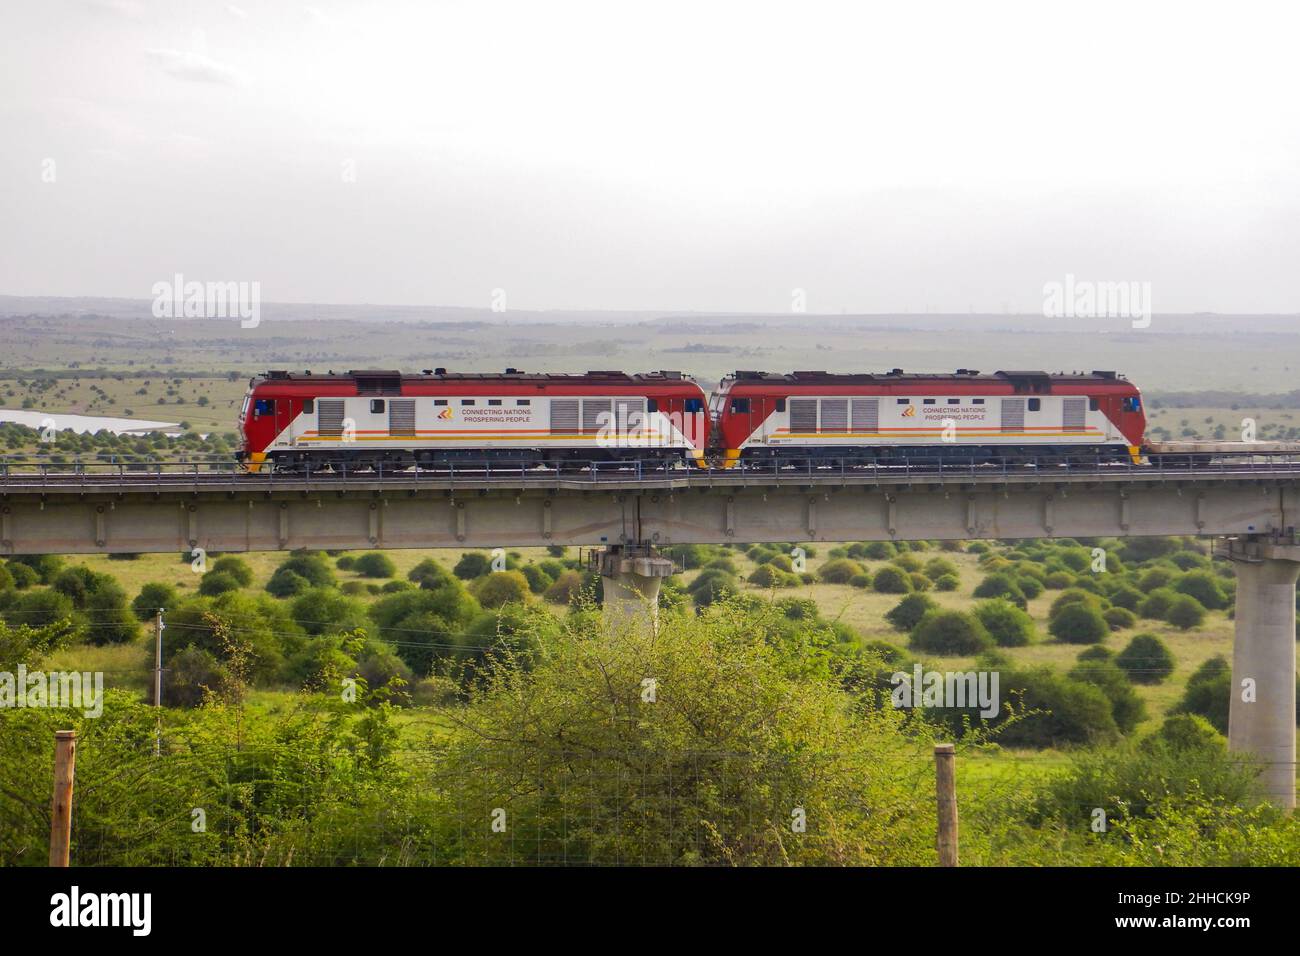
pixel 965 416
pixel 387 419
pixel 390 420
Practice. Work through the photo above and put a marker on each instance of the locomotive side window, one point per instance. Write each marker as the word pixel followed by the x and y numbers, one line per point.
pixel 905 401
pixel 377 406
pixel 440 401
pixel 264 406
pixel 1093 405
pixel 780 404
pixel 928 401
pixel 523 401
pixel 1132 404
pixel 467 401
pixel 1035 404
pixel 651 405
pixel 954 401
pixel 740 406
pixel 977 401
pixel 309 406
pixel 494 401
pixel 694 405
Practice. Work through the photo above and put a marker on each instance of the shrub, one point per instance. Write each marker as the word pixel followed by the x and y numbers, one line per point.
pixel 1072 596
pixel 1127 707
pixel 771 576
pixel 1079 623
pixel 151 597
pixel 429 574
pixel 1157 603
pixel 1058 580
pixel 907 613
pixel 908 562
pixel 892 580
pixel 1001 585
pixel 472 564
pixel 328 611
pixel 40 609
pixel 24 576
pixel 947 582
pixel 1188 732
pixel 189 675
pixel 950 632
pixel 562 591
pixel 862 581
pixel 1059 710
pixel 346 563
pixel 286 583
pixel 839 571
pixel 1157 577
pixel 1118 618
pixel 538 580
pixel 879 550
pixel 1009 625
pixel 1185 612
pixel 312 567
pixel 1030 586
pixel 937 567
pixel 357 588
pixel 1204 587
pixel 502 587
pixel 1208 693
pixel 375 564
pixel 217 582
pixel 1146 659
pixel 237 568
pixel 919 581
pixel 1126 596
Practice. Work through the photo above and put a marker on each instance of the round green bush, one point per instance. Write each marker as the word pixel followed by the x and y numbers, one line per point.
pixel 501 587
pixel 947 582
pixel 237 568
pixel 375 564
pixel 1157 577
pixel 1009 625
pixel 472 564
pixel 1146 659
pixel 892 580
pixel 1204 587
pixel 217 582
pixel 907 613
pixel 1030 586
pixel 862 581
pixel 1185 612
pixel 1079 623
pixel 839 571
pixel 1126 596
pixel 1058 580
pixel 562 591
pixel 287 583
pixel 919 581
pixel 346 563
pixel 1157 603
pixel 1001 585
pixel 1119 618
pixel 950 632
pixel 153 596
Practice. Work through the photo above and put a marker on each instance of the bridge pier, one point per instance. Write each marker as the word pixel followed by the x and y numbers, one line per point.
pixel 631 575
pixel 1262 709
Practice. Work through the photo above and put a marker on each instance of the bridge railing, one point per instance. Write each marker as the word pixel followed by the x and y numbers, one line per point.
pixel 29 471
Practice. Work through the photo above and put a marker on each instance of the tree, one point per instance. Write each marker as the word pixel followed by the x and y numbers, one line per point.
pixel 565 587
pixel 153 596
pixel 375 564
pixel 1146 659
pixel 1079 623
pixel 1204 586
pixel 502 587
pixel 286 583
pixel 907 613
pixel 429 574
pixel 217 582
pixel 950 632
pixel 1008 624
pixel 328 611
pixel 1185 612
pixel 237 568
pixel 472 564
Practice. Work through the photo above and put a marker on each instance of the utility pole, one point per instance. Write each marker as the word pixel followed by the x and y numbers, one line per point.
pixel 65 765
pixel 945 779
pixel 157 679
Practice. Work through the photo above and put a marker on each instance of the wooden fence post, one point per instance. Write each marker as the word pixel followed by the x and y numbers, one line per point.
pixel 945 780
pixel 65 764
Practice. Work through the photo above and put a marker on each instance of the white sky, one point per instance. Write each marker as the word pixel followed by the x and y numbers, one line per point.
pixel 693 155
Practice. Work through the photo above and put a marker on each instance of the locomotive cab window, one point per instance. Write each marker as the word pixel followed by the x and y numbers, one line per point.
pixel 377 406
pixel 1093 405
pixel 694 405
pixel 264 406
pixel 740 406
pixel 652 405
pixel 1035 404
pixel 1132 404
pixel 309 406
pixel 780 404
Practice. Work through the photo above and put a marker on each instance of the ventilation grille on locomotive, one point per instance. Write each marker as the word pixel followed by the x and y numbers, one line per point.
pixel 803 414
pixel 1013 414
pixel 866 415
pixel 596 413
pixel 1075 411
pixel 835 414
pixel 401 418
pixel 330 423
pixel 564 416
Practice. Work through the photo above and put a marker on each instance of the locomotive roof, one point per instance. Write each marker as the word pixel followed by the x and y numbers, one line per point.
pixel 895 375
pixel 509 375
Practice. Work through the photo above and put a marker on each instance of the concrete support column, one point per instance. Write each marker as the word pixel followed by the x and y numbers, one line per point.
pixel 631 576
pixel 1262 715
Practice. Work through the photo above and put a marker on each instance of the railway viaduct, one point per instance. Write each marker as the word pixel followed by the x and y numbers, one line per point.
pixel 1251 504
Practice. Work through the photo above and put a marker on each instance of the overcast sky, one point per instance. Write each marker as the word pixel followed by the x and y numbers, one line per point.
pixel 653 155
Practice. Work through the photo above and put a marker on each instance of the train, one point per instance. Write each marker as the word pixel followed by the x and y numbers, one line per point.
pixel 388 420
